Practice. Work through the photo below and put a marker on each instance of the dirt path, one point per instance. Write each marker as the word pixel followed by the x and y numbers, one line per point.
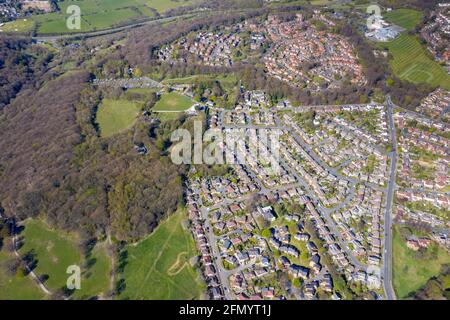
pixel 176 268
pixel 33 275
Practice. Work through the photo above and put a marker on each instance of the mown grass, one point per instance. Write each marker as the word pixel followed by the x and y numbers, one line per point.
pixel 53 250
pixel 20 25
pixel 96 279
pixel 171 102
pixel 115 116
pixel 56 250
pixel 92 18
pixel 411 62
pixel 410 272
pixel 168 116
pixel 159 267
pixel 405 18
pixel 163 5
pixel 16 287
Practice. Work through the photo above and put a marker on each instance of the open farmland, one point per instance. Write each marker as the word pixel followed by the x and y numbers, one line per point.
pixel 95 15
pixel 99 14
pixel 163 5
pixel 412 62
pixel 159 266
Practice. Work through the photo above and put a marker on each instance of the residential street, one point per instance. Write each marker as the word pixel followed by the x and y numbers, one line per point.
pixel 387 270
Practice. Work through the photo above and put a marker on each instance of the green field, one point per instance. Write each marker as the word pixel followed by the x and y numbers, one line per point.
pixel 322 2
pixel 20 25
pixel 54 252
pixel 411 273
pixel 115 116
pixel 411 62
pixel 96 15
pixel 405 18
pixel 173 102
pixel 142 91
pixel 189 79
pixel 159 267
pixel 96 280
pixel 16 287
pixel 224 79
pixel 163 5
pixel 168 116
pixel 139 95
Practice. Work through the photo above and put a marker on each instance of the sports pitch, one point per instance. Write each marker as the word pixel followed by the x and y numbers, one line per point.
pixel 411 62
pixel 405 18
pixel 173 102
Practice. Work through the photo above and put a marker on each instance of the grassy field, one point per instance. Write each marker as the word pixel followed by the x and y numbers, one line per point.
pixel 173 102
pixel 409 272
pixel 189 79
pixel 159 267
pixel 139 95
pixel 115 116
pixel 142 91
pixel 226 80
pixel 21 25
pixel 168 116
pixel 16 287
pixel 96 15
pixel 163 5
pixel 405 18
pixel 412 62
pixel 54 252
pixel 322 2
pixel 96 280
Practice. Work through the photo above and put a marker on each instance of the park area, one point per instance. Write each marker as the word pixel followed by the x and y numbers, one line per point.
pixel 116 116
pixel 54 251
pixel 159 267
pixel 16 286
pixel 411 269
